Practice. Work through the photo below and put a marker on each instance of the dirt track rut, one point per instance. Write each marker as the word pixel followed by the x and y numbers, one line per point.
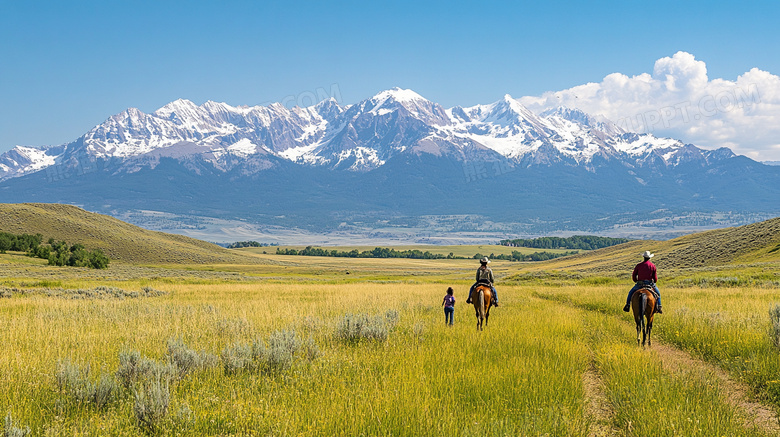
pixel 736 393
pixel 597 408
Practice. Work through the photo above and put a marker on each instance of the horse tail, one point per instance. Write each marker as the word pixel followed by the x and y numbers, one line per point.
pixel 644 308
pixel 481 300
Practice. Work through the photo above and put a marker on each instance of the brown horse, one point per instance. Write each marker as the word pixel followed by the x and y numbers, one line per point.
pixel 643 304
pixel 482 297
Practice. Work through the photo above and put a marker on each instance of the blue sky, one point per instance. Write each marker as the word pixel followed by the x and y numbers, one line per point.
pixel 67 66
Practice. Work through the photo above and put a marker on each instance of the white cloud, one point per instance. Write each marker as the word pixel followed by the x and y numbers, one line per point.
pixel 678 100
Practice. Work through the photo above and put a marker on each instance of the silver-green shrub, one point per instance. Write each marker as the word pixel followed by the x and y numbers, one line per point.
pixel 355 327
pixel 233 327
pixel 310 349
pixel 188 360
pixel 282 346
pixel 237 357
pixel 280 352
pixel 11 430
pixel 150 407
pixel 77 384
pixel 183 416
pixel 774 325
pixel 135 368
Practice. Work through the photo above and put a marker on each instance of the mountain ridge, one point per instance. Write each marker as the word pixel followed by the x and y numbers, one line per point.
pixel 359 137
pixel 395 157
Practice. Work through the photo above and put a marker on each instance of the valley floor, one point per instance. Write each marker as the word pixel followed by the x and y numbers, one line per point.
pixel 329 346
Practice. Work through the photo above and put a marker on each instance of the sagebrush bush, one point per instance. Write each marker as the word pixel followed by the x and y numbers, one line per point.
pixel 150 407
pixel 391 317
pixel 183 416
pixel 233 327
pixel 77 384
pixel 11 430
pixel 278 354
pixel 237 357
pixel 99 292
pixel 354 327
pixel 135 368
pixel 282 345
pixel 188 360
pixel 310 349
pixel 774 325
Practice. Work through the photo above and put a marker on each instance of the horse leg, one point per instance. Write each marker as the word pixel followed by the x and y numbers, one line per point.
pixel 481 305
pixel 638 330
pixel 642 318
pixel 649 330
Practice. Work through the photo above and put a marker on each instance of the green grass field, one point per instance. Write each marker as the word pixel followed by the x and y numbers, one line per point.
pixel 253 344
pixel 523 375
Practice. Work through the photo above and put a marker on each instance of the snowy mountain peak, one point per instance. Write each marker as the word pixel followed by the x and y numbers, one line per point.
pixel 583 119
pixel 513 105
pixel 178 106
pixel 407 101
pixel 358 137
pixel 507 113
pixel 213 106
pixel 133 114
pixel 329 109
pixel 397 94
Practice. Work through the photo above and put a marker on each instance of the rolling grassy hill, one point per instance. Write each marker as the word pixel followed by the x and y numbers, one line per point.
pixel 119 240
pixel 755 242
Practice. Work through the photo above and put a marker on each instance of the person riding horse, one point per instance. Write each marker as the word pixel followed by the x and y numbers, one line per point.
pixel 484 276
pixel 645 275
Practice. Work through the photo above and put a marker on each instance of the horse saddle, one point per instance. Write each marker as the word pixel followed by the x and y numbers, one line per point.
pixel 650 288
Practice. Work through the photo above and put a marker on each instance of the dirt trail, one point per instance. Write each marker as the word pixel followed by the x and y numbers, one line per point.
pixel 753 413
pixel 597 408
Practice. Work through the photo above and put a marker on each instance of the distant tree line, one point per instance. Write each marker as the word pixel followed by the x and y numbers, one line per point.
pixel 58 253
pixel 583 242
pixel 517 256
pixel 19 243
pixel 377 252
pixel 240 244
pixel 385 252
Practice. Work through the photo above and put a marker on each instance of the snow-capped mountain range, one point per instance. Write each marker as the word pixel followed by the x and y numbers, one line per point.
pixel 359 138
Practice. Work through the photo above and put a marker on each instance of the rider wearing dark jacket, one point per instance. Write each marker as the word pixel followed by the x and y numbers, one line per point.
pixel 484 276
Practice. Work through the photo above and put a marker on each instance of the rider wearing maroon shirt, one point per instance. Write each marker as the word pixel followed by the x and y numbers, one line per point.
pixel 644 274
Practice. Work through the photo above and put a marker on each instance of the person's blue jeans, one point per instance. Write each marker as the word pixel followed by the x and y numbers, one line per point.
pixel 492 288
pixel 641 284
pixel 449 315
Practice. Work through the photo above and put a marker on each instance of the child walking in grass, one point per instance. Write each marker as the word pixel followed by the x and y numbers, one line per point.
pixel 449 307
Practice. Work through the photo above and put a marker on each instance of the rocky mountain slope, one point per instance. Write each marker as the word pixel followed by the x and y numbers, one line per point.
pixel 360 137
pixel 394 156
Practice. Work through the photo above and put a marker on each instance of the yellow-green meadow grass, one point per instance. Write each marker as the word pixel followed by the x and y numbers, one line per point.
pixel 523 375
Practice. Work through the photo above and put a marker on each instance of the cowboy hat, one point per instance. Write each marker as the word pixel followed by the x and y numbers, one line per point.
pixel 647 254
pixel 484 260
